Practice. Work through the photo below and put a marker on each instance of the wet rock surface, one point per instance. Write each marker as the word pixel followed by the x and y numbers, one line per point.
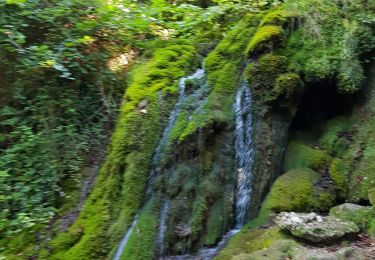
pixel 315 228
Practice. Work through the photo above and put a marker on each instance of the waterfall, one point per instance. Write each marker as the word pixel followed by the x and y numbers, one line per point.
pixel 155 163
pixel 244 153
pixel 125 239
pixel 244 160
pixel 162 226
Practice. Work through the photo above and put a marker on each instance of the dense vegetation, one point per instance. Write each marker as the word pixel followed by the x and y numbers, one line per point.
pixel 68 66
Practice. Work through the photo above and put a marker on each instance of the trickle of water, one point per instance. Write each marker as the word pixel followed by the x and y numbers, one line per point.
pixel 162 145
pixel 162 226
pixel 160 149
pixel 244 153
pixel 158 155
pixel 125 239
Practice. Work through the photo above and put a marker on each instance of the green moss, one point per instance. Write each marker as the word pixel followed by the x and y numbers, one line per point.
pixel 277 16
pixel 120 186
pixel 215 224
pixel 362 217
pixel 266 37
pixel 295 191
pixel 286 85
pixel 222 67
pixel 338 172
pixel 247 241
pixel 300 155
pixel 332 138
pixel 141 244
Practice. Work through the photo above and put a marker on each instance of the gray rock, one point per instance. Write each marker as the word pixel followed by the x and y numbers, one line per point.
pixel 315 228
pixel 346 253
pixel 361 216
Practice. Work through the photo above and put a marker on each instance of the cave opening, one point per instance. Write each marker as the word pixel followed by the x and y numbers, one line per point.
pixel 320 102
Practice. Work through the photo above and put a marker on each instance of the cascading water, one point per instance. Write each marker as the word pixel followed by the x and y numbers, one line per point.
pixel 244 153
pixel 162 226
pixel 155 164
pixel 125 239
pixel 244 159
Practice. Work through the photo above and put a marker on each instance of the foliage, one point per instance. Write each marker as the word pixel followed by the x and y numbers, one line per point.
pixel 330 40
pixel 56 107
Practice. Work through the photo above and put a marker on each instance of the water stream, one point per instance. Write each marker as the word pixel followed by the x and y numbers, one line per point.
pixel 162 226
pixel 244 153
pixel 244 160
pixel 155 164
pixel 125 239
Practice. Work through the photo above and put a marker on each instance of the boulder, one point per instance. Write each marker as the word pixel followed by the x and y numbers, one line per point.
pixel 360 215
pixel 315 228
pixel 303 253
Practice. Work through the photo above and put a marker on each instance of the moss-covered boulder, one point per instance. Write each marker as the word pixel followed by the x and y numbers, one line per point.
pixel 298 190
pixel 301 155
pixel 251 240
pixel 314 228
pixel 280 249
pixel 361 216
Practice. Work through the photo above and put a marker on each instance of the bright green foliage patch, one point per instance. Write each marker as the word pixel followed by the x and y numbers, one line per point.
pixel 295 191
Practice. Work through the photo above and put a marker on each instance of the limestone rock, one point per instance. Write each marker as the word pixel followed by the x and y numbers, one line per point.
pixel 315 228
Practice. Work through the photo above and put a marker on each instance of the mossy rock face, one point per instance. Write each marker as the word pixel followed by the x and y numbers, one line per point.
pixel 266 38
pixel 300 155
pixel 338 173
pixel 296 191
pixel 120 187
pixel 287 85
pixel 361 216
pixel 248 241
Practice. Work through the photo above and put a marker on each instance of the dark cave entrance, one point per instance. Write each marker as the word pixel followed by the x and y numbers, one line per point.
pixel 321 102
